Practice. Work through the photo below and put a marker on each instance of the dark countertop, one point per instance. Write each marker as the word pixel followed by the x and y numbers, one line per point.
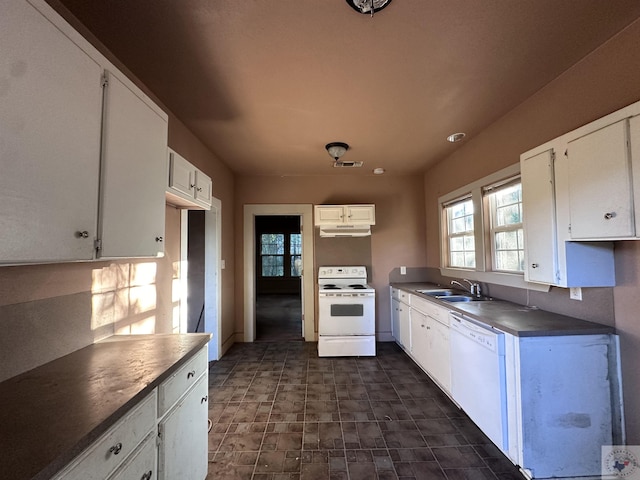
pixel 513 318
pixel 50 414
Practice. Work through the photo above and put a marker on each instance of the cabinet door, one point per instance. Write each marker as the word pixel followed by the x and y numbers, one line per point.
pixel 439 365
pixel 182 453
pixel 405 326
pixel 50 112
pixel 133 174
pixel 539 213
pixel 204 188
pixel 181 175
pixel 600 197
pixel 329 214
pixel 395 319
pixel 360 214
pixel 420 338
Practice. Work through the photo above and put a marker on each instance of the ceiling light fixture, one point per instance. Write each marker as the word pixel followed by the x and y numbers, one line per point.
pixel 368 6
pixel 378 171
pixel 336 149
pixel 456 137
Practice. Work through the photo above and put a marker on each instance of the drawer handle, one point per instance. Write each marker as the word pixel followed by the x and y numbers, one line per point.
pixel 147 476
pixel 191 374
pixel 116 448
pixel 204 399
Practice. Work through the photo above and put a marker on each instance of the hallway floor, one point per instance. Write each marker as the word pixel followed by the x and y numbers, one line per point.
pixel 280 412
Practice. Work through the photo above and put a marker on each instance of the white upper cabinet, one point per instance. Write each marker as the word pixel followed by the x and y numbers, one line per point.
pixel 539 212
pixel 50 109
pixel 345 214
pixel 82 164
pixel 188 187
pixel 600 195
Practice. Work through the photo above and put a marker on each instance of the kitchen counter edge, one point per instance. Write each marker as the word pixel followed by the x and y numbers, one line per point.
pixel 54 412
pixel 512 318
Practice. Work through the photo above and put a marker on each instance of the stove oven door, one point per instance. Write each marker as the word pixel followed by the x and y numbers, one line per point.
pixel 346 314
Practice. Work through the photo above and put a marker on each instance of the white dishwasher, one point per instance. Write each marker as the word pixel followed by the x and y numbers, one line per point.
pixel 478 380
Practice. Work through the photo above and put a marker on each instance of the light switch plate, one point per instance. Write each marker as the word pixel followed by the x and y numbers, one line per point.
pixel 575 293
pixel 403 270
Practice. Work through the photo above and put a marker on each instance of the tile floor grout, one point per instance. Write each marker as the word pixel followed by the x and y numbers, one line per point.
pixel 339 419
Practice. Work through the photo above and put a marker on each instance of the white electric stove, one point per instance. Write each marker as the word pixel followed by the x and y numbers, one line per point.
pixel 346 305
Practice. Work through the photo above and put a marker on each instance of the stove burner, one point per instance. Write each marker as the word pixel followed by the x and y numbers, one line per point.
pixel 330 286
pixel 357 286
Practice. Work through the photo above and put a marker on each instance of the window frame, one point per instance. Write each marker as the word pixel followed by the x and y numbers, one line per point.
pixel 483 271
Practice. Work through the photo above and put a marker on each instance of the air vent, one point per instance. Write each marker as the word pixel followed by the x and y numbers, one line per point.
pixel 347 164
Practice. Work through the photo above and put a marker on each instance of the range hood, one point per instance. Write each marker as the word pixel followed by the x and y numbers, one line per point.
pixel 345 230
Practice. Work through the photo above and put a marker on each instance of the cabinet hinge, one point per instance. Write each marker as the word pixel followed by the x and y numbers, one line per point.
pixel 159 436
pixel 105 81
pixel 97 244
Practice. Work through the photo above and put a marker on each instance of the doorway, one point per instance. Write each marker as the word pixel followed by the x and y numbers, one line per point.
pixel 201 254
pixel 305 214
pixel 278 278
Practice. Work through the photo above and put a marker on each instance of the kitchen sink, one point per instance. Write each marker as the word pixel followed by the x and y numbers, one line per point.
pixel 437 293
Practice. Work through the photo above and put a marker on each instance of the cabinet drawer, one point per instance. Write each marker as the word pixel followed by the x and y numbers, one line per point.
pixel 143 463
pixel 429 308
pixel 170 391
pixel 110 450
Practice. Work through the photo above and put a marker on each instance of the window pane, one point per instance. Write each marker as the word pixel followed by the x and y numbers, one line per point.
pixel 457 259
pixel 507 240
pixel 272 266
pixel 295 244
pixel 509 260
pixel 470 260
pixel 272 243
pixel 508 215
pixel 506 228
pixel 296 265
pixel 469 243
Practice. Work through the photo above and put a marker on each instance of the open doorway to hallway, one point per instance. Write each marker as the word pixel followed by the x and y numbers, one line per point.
pixel 278 270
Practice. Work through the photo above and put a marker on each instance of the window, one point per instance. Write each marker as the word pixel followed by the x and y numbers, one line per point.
pixel 460 233
pixel 481 230
pixel 272 254
pixel 506 232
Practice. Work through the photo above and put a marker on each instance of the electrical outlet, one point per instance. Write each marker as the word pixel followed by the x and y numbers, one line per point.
pixel 403 270
pixel 575 293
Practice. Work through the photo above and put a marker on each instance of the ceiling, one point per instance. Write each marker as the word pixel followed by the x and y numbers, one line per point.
pixel 266 84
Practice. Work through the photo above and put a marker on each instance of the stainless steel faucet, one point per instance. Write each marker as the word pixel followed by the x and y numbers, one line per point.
pixel 474 288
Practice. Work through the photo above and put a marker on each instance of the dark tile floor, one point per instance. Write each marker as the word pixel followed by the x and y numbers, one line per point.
pixel 280 412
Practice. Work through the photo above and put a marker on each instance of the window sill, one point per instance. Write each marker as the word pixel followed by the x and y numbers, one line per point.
pixel 496 278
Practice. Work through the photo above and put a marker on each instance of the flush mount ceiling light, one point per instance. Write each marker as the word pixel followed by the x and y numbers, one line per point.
pixel 368 6
pixel 455 137
pixel 378 171
pixel 336 149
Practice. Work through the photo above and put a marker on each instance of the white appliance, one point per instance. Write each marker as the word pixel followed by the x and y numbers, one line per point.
pixel 346 312
pixel 478 376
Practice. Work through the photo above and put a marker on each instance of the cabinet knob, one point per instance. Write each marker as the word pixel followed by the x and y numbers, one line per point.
pixel 159 239
pixel 192 185
pixel 199 189
pixel 147 476
pixel 116 448
pixel 204 399
pixel 82 234
pixel 609 215
pixel 534 265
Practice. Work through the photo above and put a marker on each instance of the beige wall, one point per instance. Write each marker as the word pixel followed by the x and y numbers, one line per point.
pixel 604 81
pixel 397 238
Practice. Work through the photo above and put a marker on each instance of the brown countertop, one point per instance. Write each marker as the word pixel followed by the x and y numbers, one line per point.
pixel 513 318
pixel 50 414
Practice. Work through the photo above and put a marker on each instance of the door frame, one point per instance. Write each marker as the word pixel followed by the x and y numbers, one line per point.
pixel 305 212
pixel 212 275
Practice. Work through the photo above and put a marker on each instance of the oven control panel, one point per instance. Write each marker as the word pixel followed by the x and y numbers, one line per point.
pixel 339 272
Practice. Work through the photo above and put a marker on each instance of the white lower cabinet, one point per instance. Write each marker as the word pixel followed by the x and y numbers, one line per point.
pixel 430 340
pixel 113 448
pixel 564 403
pixel 182 450
pixel 400 318
pixel 163 437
